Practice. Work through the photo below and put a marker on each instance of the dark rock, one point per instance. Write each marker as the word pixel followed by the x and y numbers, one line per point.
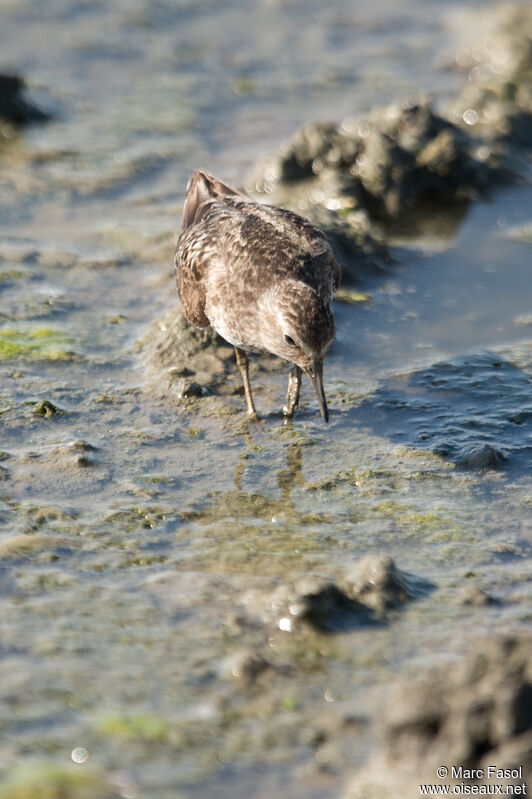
pixel 14 108
pixel 411 155
pixel 474 714
pixel 316 148
pixel 84 462
pixel 405 156
pixel 482 458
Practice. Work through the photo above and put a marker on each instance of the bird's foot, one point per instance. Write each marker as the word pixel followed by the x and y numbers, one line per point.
pixel 253 416
pixel 288 415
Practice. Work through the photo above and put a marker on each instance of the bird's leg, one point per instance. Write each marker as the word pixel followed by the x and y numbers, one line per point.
pixel 292 394
pixel 243 365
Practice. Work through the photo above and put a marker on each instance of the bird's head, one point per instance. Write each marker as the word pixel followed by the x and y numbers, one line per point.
pixel 299 327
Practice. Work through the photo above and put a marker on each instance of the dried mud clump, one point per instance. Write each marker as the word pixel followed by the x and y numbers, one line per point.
pixel 474 715
pixel 188 362
pixel 377 582
pixel 362 595
pixel 411 156
pixel 398 158
pixel 407 157
pixel 311 177
pixel 185 359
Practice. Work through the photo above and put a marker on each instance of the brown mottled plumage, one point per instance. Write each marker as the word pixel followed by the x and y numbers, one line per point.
pixel 262 276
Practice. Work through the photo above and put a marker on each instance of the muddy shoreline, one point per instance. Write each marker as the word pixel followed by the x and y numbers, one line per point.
pixel 204 607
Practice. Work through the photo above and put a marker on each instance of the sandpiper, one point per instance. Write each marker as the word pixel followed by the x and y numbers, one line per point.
pixel 262 276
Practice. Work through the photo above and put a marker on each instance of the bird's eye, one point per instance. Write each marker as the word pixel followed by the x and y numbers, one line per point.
pixel 290 341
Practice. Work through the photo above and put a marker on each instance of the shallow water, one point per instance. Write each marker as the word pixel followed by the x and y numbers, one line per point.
pixel 133 530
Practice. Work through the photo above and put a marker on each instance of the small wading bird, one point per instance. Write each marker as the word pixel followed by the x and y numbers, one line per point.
pixel 263 277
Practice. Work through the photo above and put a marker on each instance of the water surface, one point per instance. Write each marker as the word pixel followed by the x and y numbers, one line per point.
pixel 132 529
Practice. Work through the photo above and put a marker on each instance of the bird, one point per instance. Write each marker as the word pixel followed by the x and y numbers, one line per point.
pixel 263 277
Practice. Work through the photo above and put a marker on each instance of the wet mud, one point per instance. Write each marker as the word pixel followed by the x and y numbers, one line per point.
pixel 475 715
pixel 192 605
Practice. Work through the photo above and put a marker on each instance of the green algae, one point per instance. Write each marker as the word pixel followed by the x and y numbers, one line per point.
pixel 325 484
pixel 50 517
pixel 288 432
pixel 13 276
pixel 141 726
pixel 277 553
pixel 193 432
pixel 46 409
pixel 42 344
pixel 414 522
pixel 289 703
pixel 132 519
pixel 29 779
pixel 242 505
pixel 243 86
pixel 143 561
pixel 351 296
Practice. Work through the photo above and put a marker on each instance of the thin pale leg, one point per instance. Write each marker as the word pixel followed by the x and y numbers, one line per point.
pixel 292 394
pixel 243 365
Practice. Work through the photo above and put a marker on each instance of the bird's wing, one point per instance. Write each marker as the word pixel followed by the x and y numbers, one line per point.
pixel 201 189
pixel 191 290
pixel 194 250
pixel 221 223
pixel 308 239
pixel 327 264
pixel 202 225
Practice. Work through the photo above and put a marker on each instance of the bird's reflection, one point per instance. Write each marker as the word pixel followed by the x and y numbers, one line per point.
pixel 287 477
pixel 240 504
pixel 293 474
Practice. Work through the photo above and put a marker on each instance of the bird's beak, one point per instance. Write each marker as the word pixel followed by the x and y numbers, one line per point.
pixel 315 375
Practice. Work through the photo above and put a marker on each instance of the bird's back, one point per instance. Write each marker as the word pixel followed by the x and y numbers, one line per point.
pixel 232 249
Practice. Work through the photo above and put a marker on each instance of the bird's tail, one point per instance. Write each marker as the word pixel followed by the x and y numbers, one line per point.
pixel 202 187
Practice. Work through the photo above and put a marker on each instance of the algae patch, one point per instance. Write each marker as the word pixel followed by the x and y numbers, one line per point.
pixel 42 344
pixel 351 296
pixel 50 781
pixel 135 725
